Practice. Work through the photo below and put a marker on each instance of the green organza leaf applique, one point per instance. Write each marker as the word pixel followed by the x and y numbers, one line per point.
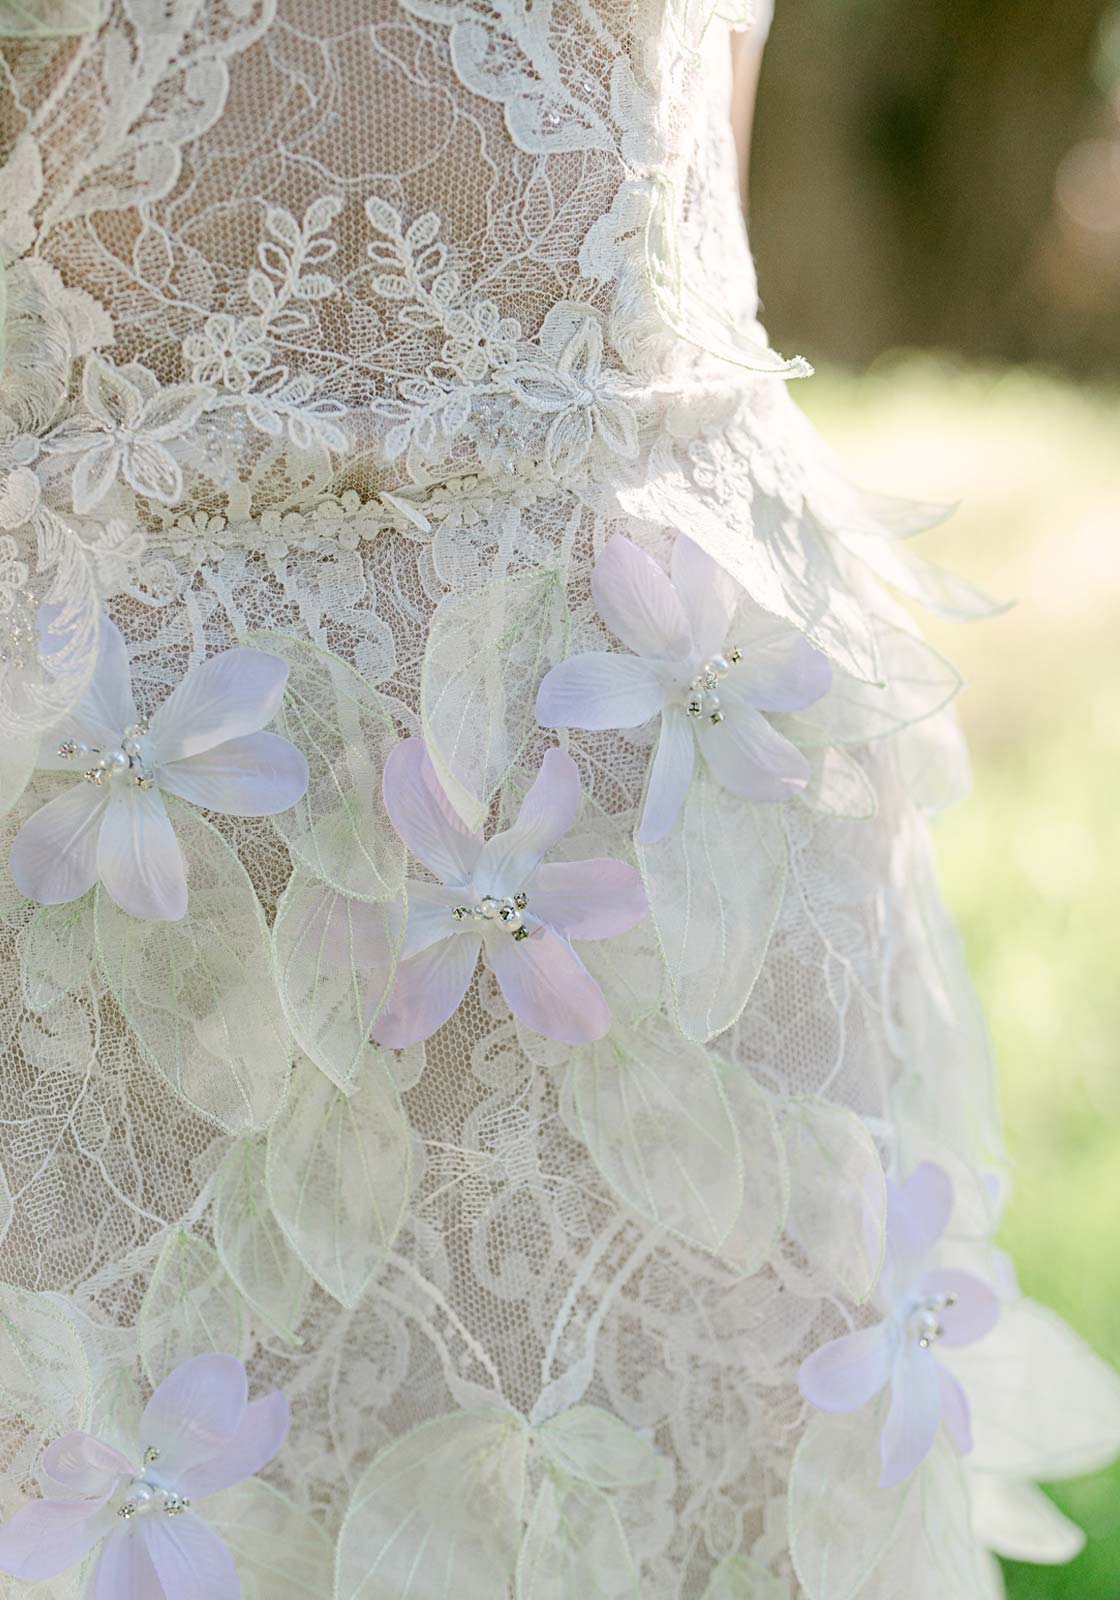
pixel 335 958
pixel 280 1552
pixel 438 1512
pixel 715 887
pixel 339 831
pixel 575 1545
pixel 339 1171
pixel 740 1578
pixel 486 652
pixel 252 1246
pixel 837 1210
pixel 56 951
pixel 198 993
pixel 49 19
pixel 44 1374
pixel 190 1306
pixel 651 1109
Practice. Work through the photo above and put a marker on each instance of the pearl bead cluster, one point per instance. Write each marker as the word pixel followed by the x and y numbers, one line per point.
pixel 143 1495
pixel 491 908
pixel 703 700
pixel 113 763
pixel 925 1319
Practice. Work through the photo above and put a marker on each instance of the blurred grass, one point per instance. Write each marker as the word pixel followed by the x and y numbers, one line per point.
pixel 1030 861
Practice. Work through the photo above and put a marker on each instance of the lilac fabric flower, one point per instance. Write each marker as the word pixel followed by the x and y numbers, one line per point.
pixel 497 898
pixel 710 690
pixel 203 744
pixel 198 1435
pixel 922 1306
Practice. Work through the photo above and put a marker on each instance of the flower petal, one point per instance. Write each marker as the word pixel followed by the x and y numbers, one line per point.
pixel 568 440
pixel 109 395
pixel 599 690
pixel 47 1536
pixel 582 356
pixel 749 757
pixel 954 1411
pixel 262 1432
pixel 548 987
pixel 256 775
pixel 424 817
pixel 638 603
pixel 83 1465
pixel 195 1413
pixel 427 990
pixel 617 426
pixel 95 473
pixel 538 385
pixel 171 411
pixel 234 693
pixel 588 899
pixel 53 857
pixel 914 1415
pixel 670 775
pixel 190 1560
pixel 509 859
pixel 975 1310
pixel 138 856
pixel 152 470
pixel 430 907
pixel 708 593
pixel 125 1571
pixel 918 1213
pixel 845 1373
pixel 780 669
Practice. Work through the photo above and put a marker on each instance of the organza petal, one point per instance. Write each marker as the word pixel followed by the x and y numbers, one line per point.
pixel 638 603
pixel 708 593
pixel 1018 1521
pixel 83 1465
pixel 124 1570
pixel 107 708
pixel 234 693
pixel 424 817
pixel 46 1537
pixel 53 857
pixel 599 690
pixel 548 987
pixel 262 1431
pixel 427 990
pixel 138 857
pixel 918 1213
pixel 750 758
pixel 845 1373
pixel 195 1413
pixel 430 916
pixel 509 859
pixel 975 1308
pixel 954 1411
pixel 913 1417
pixel 780 669
pixel 670 774
pixel 588 899
pixel 190 1560
pixel 256 775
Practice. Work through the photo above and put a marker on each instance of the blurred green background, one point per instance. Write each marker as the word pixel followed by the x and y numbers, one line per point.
pixel 935 211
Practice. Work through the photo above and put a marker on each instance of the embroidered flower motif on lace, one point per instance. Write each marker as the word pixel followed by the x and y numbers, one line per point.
pixel 497 899
pixel 922 1306
pixel 203 744
pixel 199 1434
pixel 709 692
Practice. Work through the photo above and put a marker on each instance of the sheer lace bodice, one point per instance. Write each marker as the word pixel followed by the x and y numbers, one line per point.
pixel 356 332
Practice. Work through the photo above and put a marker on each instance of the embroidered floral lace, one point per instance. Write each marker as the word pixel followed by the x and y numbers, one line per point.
pixel 368 335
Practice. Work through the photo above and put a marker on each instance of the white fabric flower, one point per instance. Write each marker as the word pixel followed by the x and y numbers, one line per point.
pixel 203 744
pixel 123 432
pixel 584 401
pixel 709 690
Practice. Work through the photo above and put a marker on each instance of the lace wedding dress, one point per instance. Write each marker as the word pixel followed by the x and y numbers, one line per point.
pixel 391 460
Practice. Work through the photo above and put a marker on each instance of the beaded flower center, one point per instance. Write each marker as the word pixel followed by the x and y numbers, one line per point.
pixel 923 1322
pixel 146 1494
pixel 500 911
pixel 125 761
pixel 702 696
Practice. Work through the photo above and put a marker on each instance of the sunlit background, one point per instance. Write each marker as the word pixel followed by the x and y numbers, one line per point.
pixel 935 210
